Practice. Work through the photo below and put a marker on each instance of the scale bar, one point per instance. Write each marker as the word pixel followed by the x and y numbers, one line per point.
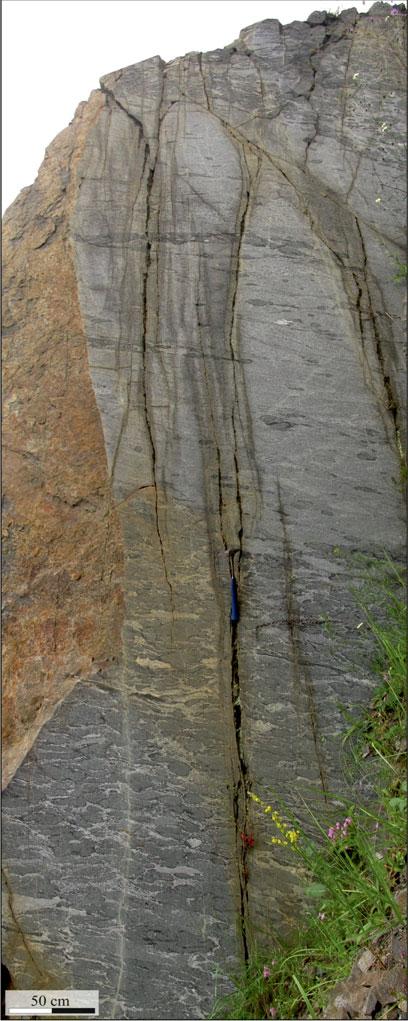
pixel 36 1011
pixel 51 1003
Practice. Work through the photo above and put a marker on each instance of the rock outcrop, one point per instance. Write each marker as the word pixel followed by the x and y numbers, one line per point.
pixel 203 350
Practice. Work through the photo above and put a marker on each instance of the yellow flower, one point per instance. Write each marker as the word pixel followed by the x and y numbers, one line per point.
pixel 280 825
pixel 288 836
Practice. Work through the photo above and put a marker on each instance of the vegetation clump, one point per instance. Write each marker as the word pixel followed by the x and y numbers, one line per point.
pixel 401 271
pixel 355 867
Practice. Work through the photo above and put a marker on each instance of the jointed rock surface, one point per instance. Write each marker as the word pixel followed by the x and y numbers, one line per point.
pixel 203 350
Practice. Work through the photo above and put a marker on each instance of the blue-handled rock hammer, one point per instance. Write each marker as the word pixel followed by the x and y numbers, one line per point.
pixel 234 615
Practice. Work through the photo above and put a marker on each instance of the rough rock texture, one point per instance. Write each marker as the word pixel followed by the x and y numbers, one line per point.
pixel 377 985
pixel 61 534
pixel 220 235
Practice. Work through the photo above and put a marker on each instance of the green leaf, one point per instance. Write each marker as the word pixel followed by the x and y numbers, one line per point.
pixel 398 803
pixel 317 890
pixel 304 995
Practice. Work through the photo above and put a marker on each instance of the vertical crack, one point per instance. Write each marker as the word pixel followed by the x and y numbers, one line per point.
pixel 240 792
pixel 239 767
pixel 125 417
pixel 245 206
pixel 315 112
pixel 391 398
pixel 149 429
pixel 358 301
pixel 300 668
pixel 200 66
pixel 213 427
pixel 241 785
pixel 148 423
pixel 313 137
pixel 240 770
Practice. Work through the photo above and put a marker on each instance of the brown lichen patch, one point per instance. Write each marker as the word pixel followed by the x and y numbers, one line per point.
pixel 62 541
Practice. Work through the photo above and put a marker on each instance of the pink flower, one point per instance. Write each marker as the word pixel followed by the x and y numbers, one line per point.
pixel 272 1011
pixel 345 825
pixel 321 916
pixel 330 833
pixel 266 973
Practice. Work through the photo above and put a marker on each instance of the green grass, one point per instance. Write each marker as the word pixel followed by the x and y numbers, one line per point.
pixel 353 870
pixel 402 270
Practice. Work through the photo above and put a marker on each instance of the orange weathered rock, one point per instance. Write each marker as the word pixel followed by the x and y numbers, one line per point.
pixel 62 543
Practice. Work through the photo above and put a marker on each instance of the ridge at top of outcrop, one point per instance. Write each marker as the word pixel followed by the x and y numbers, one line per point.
pixel 318 18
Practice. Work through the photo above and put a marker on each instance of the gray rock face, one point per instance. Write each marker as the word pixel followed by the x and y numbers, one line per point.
pixel 235 231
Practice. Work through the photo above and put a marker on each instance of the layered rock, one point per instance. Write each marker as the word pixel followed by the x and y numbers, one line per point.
pixel 205 352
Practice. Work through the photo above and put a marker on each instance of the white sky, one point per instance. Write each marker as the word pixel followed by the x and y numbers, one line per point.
pixel 55 51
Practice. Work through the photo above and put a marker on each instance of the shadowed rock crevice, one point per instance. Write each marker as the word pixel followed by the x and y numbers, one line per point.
pixel 391 398
pixel 150 182
pixel 240 794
